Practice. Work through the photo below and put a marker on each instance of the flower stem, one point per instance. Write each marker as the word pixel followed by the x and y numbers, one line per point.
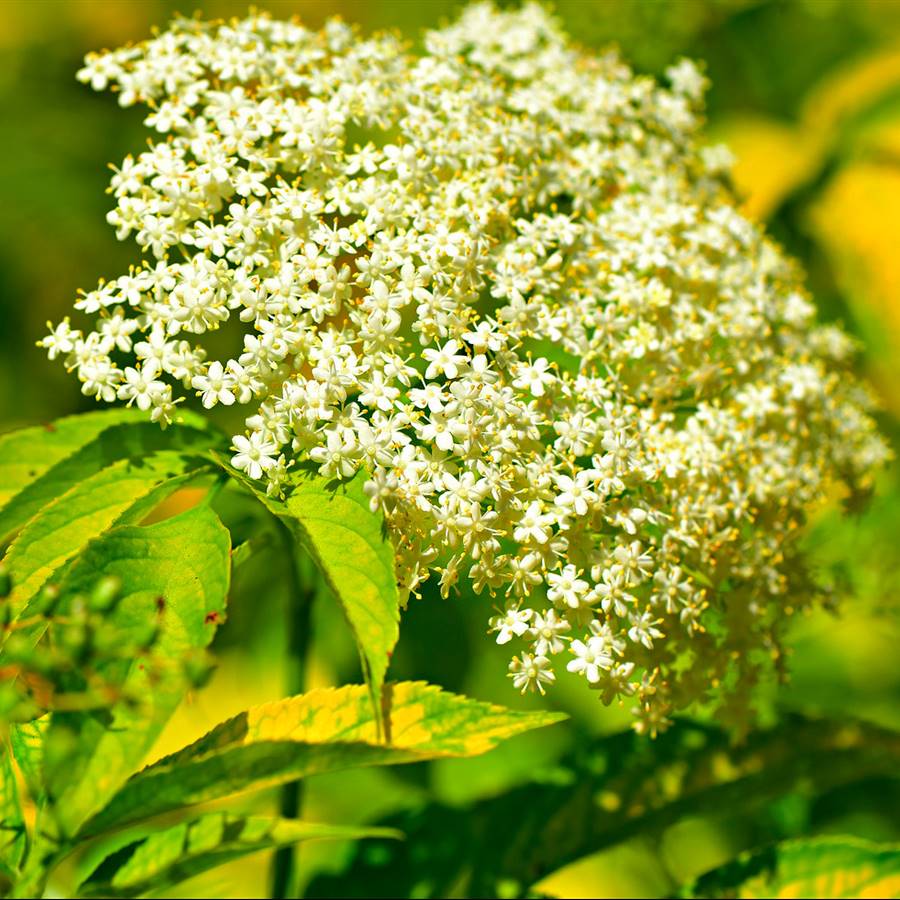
pixel 301 592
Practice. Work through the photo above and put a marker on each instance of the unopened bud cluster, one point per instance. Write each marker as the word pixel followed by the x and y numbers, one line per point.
pixel 72 654
pixel 505 280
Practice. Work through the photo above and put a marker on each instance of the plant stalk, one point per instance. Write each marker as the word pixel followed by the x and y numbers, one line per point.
pixel 301 593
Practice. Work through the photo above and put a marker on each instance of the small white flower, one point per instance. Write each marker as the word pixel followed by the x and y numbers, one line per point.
pixel 255 454
pixel 687 79
pixel 446 361
pixel 61 339
pixel 338 458
pixel 514 622
pixel 575 496
pixel 592 659
pixel 215 386
pixel 534 377
pixel 566 588
pixel 643 629
pixel 380 488
pixel 142 385
pixel 531 673
pixel 547 631
pixel 534 525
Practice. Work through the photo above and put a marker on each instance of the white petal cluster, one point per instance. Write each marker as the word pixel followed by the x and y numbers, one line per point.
pixel 505 280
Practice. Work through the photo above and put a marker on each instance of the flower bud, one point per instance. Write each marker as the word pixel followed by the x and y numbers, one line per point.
pixel 106 594
pixel 74 642
pixel 45 602
pixel 19 649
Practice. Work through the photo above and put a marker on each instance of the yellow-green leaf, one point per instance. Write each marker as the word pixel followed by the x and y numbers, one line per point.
pixel 85 511
pixel 828 867
pixel 320 731
pixel 29 452
pixel 12 822
pixel 348 542
pixel 27 742
pixel 116 441
pixel 138 863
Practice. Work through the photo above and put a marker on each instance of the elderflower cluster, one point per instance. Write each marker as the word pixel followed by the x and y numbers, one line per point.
pixel 505 281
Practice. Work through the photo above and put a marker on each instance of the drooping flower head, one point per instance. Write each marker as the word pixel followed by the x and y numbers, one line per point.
pixel 504 279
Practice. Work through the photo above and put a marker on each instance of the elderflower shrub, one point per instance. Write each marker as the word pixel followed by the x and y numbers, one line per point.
pixel 506 281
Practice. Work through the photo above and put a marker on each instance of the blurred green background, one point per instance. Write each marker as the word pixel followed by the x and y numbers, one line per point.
pixel 806 92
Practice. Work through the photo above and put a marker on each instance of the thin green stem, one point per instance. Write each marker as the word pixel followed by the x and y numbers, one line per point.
pixel 301 593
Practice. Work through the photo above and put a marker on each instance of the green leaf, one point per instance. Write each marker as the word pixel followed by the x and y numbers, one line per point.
pixel 320 731
pixel 348 542
pixel 621 787
pixel 117 441
pixel 828 867
pixel 26 454
pixel 27 742
pixel 85 511
pixel 165 858
pixel 179 566
pixel 12 822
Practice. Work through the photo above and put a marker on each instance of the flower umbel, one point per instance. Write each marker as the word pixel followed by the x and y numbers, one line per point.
pixel 504 280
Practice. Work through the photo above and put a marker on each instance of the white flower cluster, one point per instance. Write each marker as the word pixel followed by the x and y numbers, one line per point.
pixel 504 280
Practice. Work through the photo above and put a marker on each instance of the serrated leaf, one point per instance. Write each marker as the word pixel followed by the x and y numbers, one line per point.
pixel 348 542
pixel 85 511
pixel 138 864
pixel 333 522
pixel 29 452
pixel 181 565
pixel 621 787
pixel 320 731
pixel 827 867
pixel 130 440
